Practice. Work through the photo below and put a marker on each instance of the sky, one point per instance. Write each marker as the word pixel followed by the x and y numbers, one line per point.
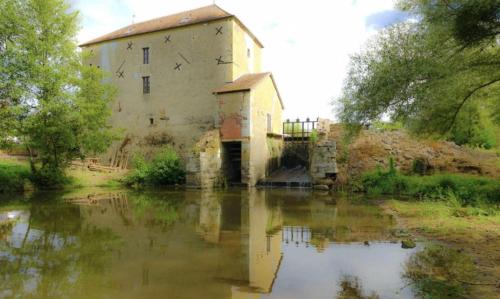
pixel 307 44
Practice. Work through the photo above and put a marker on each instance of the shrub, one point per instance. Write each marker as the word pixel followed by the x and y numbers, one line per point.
pixel 468 190
pixel 313 137
pixel 48 178
pixel 164 169
pixel 12 177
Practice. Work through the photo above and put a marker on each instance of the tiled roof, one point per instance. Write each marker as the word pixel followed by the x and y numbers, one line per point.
pixel 246 83
pixel 186 18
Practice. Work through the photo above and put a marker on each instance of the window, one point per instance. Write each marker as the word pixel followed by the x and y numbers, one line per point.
pixel 151 121
pixel 145 85
pixel 145 55
pixel 248 53
pixel 269 124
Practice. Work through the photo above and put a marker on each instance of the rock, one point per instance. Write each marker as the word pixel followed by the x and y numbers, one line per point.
pixel 400 233
pixel 408 243
pixel 327 182
pixel 366 243
pixel 321 187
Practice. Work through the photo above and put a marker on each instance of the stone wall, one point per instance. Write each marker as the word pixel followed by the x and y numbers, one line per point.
pixel 323 153
pixel 204 162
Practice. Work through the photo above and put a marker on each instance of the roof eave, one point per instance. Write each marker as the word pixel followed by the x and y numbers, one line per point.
pixel 233 91
pixel 98 41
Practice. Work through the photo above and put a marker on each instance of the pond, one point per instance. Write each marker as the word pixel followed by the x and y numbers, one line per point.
pixel 194 244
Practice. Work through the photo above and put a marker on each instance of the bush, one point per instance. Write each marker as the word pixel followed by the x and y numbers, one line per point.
pixel 468 190
pixel 165 169
pixel 12 177
pixel 48 178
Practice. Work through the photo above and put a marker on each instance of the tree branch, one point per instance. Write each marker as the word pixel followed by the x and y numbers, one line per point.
pixel 464 100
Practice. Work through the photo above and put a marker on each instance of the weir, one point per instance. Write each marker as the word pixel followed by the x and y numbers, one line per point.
pixel 308 155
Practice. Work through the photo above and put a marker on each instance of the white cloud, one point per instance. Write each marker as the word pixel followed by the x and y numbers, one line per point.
pixel 307 43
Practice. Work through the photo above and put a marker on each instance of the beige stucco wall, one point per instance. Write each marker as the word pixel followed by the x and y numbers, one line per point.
pixel 247 54
pixel 181 101
pixel 264 100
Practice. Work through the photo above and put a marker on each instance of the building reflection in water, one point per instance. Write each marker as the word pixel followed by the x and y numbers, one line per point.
pixel 196 244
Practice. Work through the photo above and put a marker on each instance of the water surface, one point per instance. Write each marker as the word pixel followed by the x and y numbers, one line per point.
pixel 193 244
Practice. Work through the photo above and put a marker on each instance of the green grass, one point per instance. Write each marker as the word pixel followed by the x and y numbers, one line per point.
pixel 461 190
pixel 13 176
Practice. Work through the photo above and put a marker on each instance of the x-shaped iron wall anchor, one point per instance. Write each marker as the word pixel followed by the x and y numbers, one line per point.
pixel 219 30
pixel 221 61
pixel 129 46
pixel 167 39
pixel 119 71
pixel 177 66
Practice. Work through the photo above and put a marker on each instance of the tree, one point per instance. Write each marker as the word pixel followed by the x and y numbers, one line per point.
pixel 49 100
pixel 423 72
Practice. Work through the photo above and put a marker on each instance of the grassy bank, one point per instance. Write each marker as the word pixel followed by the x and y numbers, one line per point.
pixel 469 230
pixel 13 176
pixel 461 189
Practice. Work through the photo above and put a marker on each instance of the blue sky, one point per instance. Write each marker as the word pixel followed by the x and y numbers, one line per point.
pixel 307 43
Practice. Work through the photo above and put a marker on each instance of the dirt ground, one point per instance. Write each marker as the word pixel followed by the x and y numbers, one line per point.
pixel 476 235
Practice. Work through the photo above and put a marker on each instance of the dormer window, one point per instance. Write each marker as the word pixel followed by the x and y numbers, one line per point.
pixel 145 55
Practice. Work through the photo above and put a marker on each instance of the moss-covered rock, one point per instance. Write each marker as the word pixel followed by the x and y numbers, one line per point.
pixel 408 243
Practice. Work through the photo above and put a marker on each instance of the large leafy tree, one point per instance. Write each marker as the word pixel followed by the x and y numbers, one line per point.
pixel 431 71
pixel 56 106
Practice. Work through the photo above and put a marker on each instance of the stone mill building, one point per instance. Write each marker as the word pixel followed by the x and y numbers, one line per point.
pixel 194 81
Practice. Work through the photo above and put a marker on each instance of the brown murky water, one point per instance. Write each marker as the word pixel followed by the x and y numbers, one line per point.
pixel 193 244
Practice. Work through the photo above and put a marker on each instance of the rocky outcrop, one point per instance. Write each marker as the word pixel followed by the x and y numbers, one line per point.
pixel 373 148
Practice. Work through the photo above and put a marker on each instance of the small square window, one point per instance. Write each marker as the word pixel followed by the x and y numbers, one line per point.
pixel 145 55
pixel 145 85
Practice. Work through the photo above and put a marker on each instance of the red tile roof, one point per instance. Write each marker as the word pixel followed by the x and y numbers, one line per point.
pixel 246 83
pixel 186 18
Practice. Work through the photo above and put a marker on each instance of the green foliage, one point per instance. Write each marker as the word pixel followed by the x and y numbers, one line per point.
pixel 47 178
pixel 57 107
pixel 165 169
pixel 13 177
pixel 422 74
pixel 387 126
pixel 292 128
pixel 473 128
pixel 440 272
pixel 469 22
pixel 313 137
pixel 466 190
